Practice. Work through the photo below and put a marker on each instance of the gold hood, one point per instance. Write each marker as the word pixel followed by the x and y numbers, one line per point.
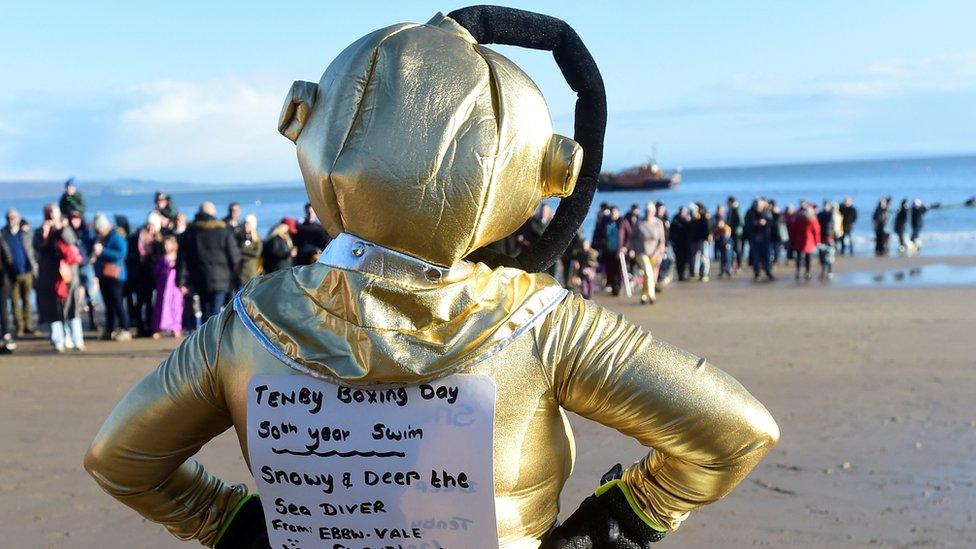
pixel 366 314
pixel 420 124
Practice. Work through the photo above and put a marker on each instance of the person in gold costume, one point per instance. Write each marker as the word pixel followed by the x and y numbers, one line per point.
pixel 420 147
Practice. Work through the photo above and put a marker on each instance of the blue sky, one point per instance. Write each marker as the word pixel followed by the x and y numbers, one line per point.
pixel 191 90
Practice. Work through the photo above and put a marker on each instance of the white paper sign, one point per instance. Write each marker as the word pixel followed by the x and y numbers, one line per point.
pixel 368 468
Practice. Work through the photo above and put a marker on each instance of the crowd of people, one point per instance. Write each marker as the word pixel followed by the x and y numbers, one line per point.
pixel 169 274
pixel 160 278
pixel 643 251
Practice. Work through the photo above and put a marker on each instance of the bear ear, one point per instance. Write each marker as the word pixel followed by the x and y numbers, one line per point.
pixel 297 108
pixel 561 166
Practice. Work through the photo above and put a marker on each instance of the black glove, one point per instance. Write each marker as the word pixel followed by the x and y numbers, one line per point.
pixel 245 528
pixel 605 520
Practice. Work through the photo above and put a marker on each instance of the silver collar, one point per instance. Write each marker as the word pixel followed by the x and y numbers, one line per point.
pixel 351 253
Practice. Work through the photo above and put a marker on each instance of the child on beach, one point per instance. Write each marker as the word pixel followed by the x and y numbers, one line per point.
pixel 168 308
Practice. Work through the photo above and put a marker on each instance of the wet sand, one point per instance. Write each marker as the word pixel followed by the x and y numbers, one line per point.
pixel 872 387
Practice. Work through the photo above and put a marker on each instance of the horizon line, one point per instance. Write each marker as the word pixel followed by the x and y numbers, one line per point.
pixel 731 165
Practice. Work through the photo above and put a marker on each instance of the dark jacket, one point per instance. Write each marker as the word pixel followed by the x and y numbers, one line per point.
pixel 755 229
pixel 849 213
pixel 700 229
pixel 236 228
pixel 901 219
pixel 7 271
pixel 27 241
pixel 826 220
pixel 71 203
pixel 880 218
pixel 169 211
pixel 310 240
pixel 49 307
pixel 680 235
pixel 735 220
pixel 139 263
pixel 276 254
pixel 208 256
pixel 918 213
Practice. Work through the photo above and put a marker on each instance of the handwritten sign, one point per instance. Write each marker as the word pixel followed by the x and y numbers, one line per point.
pixel 380 467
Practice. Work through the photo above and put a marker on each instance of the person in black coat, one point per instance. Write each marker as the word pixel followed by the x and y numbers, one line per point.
pixel 918 212
pixel 207 260
pixel 310 239
pixel 759 227
pixel 279 250
pixel 736 223
pixel 7 276
pixel 849 216
pixel 880 220
pixel 680 235
pixel 700 232
pixel 901 224
pixel 235 222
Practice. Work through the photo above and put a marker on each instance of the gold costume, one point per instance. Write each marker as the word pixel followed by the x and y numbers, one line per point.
pixel 408 188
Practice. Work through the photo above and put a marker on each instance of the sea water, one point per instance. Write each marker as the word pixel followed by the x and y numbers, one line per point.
pixel 948 180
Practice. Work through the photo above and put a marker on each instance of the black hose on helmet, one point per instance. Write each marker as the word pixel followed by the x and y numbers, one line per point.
pixel 514 27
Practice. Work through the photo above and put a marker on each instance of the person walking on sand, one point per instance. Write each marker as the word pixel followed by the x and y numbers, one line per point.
pixel 918 212
pixel 901 224
pixel 880 220
pixel 776 238
pixel 805 237
pixel 7 277
pixel 849 214
pixel 718 216
pixel 827 238
pixel 615 249
pixel 168 307
pixel 736 224
pixel 701 236
pixel 109 252
pixel 21 249
pixel 760 227
pixel 647 244
pixel 785 228
pixel 681 242
pixel 57 280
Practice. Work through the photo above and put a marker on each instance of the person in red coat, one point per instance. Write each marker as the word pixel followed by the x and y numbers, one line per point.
pixel 805 236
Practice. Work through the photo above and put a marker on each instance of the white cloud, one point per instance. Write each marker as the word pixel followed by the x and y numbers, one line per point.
pixel 224 127
pixel 885 78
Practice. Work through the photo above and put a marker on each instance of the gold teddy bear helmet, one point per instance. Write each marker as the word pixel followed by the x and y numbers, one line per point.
pixel 421 140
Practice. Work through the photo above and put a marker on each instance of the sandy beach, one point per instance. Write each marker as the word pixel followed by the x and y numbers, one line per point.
pixel 872 388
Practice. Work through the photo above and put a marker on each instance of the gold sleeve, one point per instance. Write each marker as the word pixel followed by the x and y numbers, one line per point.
pixel 707 432
pixel 141 454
